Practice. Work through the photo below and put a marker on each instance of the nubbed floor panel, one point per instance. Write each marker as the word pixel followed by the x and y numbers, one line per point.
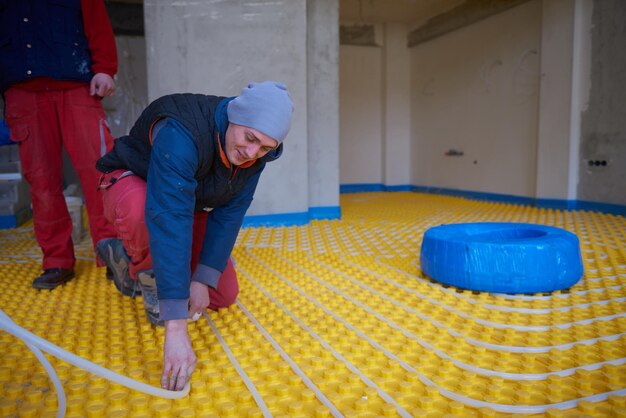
pixel 335 318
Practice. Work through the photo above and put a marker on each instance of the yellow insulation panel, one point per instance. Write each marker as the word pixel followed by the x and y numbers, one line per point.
pixel 335 318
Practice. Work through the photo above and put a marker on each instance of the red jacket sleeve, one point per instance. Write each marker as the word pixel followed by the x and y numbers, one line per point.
pixel 100 39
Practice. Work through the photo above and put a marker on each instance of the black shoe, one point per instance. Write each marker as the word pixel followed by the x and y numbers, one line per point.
pixel 112 252
pixel 109 274
pixel 52 278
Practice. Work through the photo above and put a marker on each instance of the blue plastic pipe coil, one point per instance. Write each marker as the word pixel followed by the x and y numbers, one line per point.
pixel 502 257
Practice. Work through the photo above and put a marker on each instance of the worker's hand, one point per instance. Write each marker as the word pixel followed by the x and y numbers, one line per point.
pixel 179 358
pixel 102 84
pixel 198 299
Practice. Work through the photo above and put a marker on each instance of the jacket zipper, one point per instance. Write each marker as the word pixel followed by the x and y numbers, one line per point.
pixel 231 177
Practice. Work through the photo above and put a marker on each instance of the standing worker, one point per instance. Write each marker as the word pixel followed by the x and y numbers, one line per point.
pixel 57 60
pixel 193 162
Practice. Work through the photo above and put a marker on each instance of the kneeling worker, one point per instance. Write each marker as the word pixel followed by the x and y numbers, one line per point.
pixel 176 189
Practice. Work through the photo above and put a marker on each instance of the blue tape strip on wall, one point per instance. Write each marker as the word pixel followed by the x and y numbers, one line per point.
pixel 502 257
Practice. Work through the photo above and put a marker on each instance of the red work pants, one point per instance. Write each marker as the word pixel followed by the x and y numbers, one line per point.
pixel 124 206
pixel 42 123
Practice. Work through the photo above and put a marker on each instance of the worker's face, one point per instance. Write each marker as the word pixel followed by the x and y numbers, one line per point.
pixel 245 144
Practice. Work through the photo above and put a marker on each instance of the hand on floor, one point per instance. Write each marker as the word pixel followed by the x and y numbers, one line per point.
pixel 179 358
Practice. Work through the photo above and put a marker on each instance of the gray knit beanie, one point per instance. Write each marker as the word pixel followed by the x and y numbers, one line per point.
pixel 265 107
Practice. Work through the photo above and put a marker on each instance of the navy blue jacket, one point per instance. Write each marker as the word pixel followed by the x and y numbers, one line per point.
pixel 42 39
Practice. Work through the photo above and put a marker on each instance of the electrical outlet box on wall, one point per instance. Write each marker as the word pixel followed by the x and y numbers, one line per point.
pixel 597 164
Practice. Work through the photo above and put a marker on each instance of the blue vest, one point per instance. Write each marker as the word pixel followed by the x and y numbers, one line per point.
pixel 217 184
pixel 42 39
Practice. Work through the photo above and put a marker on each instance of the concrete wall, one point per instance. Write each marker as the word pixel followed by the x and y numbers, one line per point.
pixel 397 106
pixel 375 107
pixel 530 96
pixel 131 95
pixel 323 102
pixel 361 114
pixel 562 95
pixel 475 91
pixel 217 48
pixel 603 125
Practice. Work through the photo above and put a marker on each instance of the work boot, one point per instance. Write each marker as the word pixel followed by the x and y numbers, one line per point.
pixel 112 252
pixel 148 286
pixel 52 278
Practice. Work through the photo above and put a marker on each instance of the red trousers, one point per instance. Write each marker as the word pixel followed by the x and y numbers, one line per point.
pixel 42 123
pixel 124 206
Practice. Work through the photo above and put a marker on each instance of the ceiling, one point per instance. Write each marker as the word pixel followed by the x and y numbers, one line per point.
pixel 380 11
pixel 413 12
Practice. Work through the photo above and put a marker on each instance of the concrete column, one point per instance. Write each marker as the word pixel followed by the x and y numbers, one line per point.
pixel 564 94
pixel 131 95
pixel 361 115
pixel 603 129
pixel 397 106
pixel 210 47
pixel 323 107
